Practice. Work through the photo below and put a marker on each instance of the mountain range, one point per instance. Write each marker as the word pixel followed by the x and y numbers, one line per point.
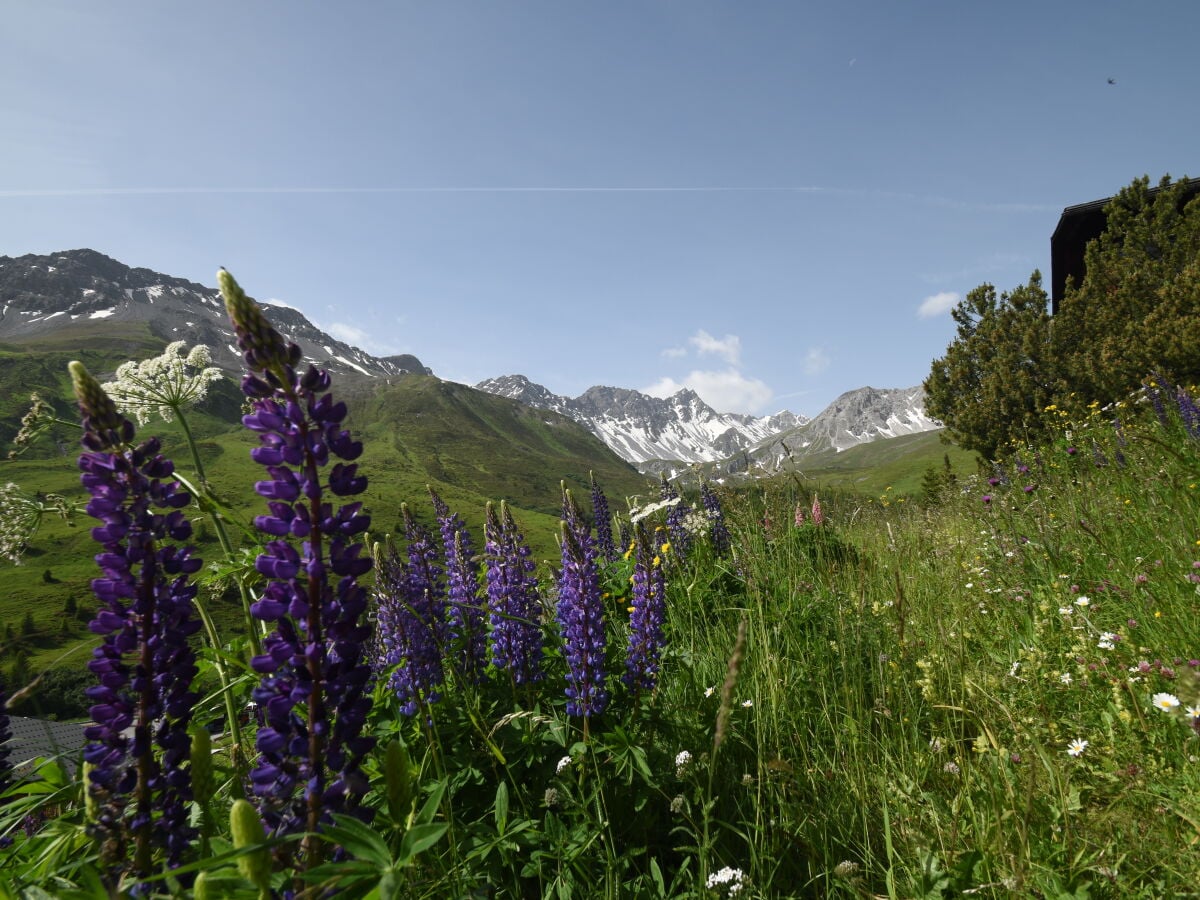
pixel 644 429
pixel 85 296
pixel 656 434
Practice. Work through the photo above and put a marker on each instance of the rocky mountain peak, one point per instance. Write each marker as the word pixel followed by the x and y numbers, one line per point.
pixel 88 293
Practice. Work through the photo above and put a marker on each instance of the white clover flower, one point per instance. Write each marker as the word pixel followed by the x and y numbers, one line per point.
pixel 1076 747
pixel 163 385
pixel 1164 701
pixel 732 880
pixel 563 765
pixel 683 761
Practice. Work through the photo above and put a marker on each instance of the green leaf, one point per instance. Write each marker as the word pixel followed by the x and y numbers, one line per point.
pixel 501 807
pixel 430 808
pixel 420 838
pixel 359 840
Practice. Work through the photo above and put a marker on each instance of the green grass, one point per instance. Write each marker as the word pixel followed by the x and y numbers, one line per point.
pixel 898 722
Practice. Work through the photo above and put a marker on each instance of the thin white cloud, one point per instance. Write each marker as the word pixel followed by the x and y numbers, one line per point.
pixel 729 348
pixel 816 361
pixel 357 337
pixel 674 352
pixel 727 390
pixel 938 304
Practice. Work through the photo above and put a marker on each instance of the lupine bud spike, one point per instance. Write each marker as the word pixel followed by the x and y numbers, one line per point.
pixel 247 830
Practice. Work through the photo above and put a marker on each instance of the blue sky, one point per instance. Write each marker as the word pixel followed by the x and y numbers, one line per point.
pixel 770 202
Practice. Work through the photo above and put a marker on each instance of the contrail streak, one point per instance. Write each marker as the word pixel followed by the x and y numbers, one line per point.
pixel 866 193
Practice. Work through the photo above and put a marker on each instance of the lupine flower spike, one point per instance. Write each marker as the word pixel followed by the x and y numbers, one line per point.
pixel 412 618
pixel 314 676
pixel 600 512
pixel 464 605
pixel 681 540
pixel 513 604
pixel 646 637
pixel 139 746
pixel 581 619
pixel 718 530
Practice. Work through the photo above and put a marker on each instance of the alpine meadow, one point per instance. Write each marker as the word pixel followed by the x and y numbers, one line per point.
pixel 334 648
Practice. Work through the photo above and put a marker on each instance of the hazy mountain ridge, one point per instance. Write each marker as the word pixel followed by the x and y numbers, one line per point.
pixel 641 429
pixel 85 290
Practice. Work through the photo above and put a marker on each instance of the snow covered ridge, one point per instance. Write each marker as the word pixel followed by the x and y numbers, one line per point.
pixel 643 429
pixel 41 294
pixel 640 428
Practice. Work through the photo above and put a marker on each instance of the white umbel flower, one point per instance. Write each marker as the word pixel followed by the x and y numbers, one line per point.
pixel 163 385
pixel 730 879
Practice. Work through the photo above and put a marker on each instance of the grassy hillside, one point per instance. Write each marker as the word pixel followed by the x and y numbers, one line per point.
pixel 898 463
pixel 471 447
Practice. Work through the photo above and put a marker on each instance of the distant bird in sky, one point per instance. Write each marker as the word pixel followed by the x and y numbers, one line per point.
pixel 1112 81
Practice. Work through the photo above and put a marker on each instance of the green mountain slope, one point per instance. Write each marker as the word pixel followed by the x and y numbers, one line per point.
pixel 898 463
pixel 471 447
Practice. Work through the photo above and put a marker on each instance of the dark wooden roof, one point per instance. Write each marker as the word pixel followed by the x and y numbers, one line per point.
pixel 1077 227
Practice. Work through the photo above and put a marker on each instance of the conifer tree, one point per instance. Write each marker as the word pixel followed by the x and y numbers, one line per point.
pixel 997 376
pixel 1137 309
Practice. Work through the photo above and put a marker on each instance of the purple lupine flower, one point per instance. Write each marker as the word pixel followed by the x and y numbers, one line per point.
pixel 513 600
pixel 1188 412
pixel 313 691
pixel 139 745
pixel 412 618
pixel 600 512
pixel 581 618
pixel 5 737
pixel 681 539
pixel 718 531
pixel 646 638
pixel 1154 388
pixel 465 619
pixel 625 534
